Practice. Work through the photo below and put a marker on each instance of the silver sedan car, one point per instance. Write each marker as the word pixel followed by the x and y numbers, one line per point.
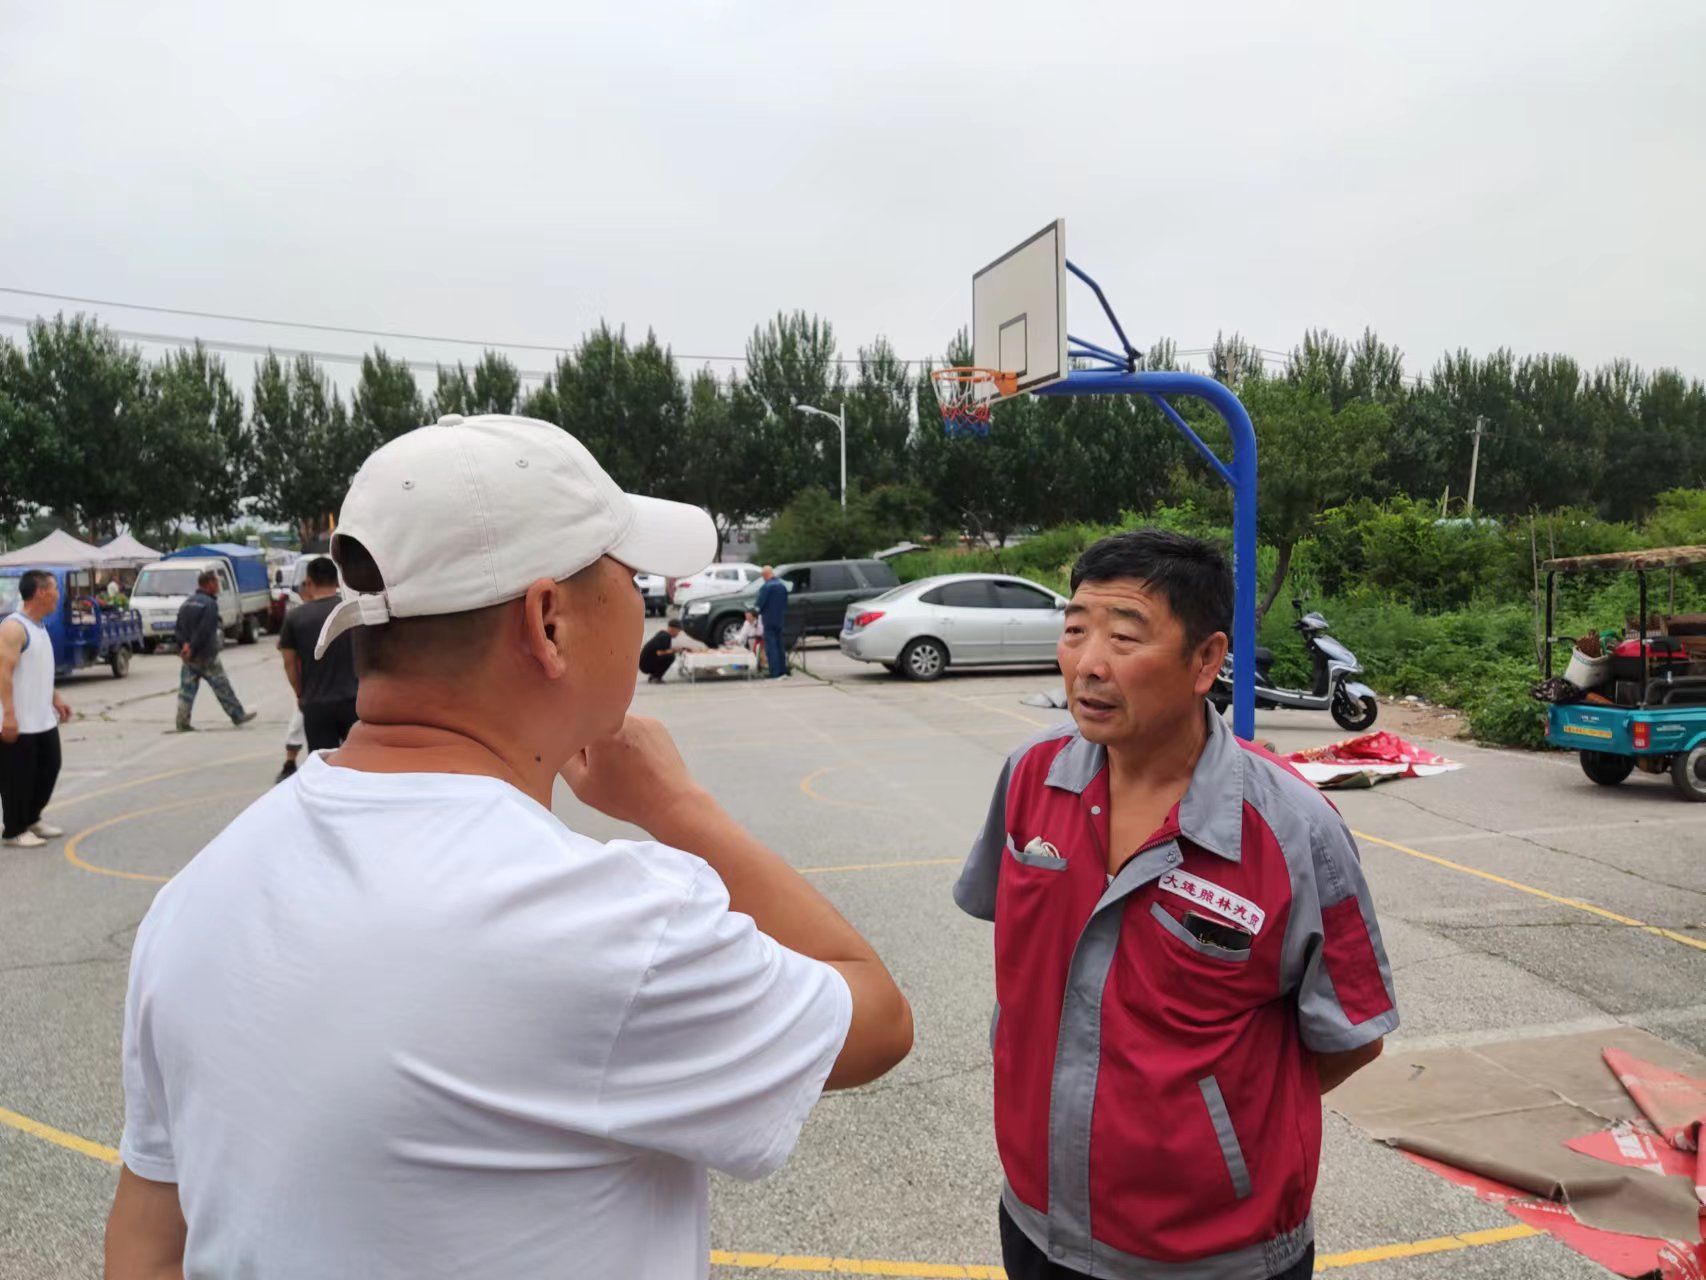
pixel 959 619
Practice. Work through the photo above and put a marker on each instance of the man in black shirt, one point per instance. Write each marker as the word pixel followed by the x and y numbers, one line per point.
pixel 658 653
pixel 325 686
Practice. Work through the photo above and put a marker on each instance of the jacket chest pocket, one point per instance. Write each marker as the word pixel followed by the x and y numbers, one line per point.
pixel 1191 972
pixel 1034 913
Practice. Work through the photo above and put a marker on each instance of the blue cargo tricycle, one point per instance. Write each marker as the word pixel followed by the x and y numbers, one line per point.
pixel 1646 709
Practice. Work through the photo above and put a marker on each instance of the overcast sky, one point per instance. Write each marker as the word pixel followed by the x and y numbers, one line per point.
pixel 1452 174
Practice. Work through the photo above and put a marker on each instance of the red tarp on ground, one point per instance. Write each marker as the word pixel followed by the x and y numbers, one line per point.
pixel 1366 760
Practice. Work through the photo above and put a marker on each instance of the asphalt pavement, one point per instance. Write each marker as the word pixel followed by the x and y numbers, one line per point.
pixel 874 787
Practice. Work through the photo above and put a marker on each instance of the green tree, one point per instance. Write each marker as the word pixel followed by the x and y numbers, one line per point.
pixel 1309 458
pixel 815 526
pixel 86 427
pixel 27 439
pixel 493 387
pixel 721 476
pixel 879 408
pixel 387 401
pixel 306 449
pixel 626 404
pixel 791 361
pixel 196 444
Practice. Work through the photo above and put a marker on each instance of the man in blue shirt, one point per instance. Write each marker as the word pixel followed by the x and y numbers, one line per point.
pixel 772 604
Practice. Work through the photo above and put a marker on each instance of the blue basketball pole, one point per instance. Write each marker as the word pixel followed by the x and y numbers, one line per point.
pixel 1240 474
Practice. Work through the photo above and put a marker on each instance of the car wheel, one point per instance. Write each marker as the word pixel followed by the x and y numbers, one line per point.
pixel 1355 714
pixel 149 645
pixel 1688 771
pixel 246 630
pixel 120 662
pixel 923 660
pixel 1606 769
pixel 726 634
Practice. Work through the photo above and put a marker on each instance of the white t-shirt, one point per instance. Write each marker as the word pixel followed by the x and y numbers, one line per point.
pixel 32 678
pixel 410 1025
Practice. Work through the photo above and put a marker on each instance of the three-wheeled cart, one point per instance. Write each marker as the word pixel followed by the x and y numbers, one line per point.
pixel 1650 711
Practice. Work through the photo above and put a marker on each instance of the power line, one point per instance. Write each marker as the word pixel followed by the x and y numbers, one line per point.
pixel 1268 354
pixel 261 349
pixel 363 333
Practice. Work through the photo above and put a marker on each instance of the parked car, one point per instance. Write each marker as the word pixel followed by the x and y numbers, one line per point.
pixel 819 592
pixel 956 619
pixel 714 580
pixel 654 590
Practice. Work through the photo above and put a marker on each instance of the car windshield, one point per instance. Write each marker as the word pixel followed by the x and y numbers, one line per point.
pixel 166 582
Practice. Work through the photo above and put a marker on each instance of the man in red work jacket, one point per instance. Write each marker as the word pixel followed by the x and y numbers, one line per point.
pixel 1186 953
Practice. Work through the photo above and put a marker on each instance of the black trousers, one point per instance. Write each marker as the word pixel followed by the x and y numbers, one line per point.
pixel 655 664
pixel 1024 1261
pixel 28 769
pixel 326 724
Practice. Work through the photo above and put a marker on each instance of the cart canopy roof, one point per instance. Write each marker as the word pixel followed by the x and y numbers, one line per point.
pixel 1652 558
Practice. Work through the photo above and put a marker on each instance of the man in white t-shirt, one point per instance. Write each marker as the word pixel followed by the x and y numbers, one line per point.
pixel 397 1020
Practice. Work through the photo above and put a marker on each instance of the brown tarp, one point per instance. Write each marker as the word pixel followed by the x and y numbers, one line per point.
pixel 1505 1111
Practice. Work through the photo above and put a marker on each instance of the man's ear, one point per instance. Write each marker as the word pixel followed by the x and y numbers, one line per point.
pixel 1207 661
pixel 545 630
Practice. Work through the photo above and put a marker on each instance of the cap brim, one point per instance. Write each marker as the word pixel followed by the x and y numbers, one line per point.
pixel 671 539
pixel 346 616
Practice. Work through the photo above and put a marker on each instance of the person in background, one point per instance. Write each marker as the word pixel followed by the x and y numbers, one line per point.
pixel 33 712
pixel 448 1037
pixel 325 684
pixel 752 632
pixel 1186 952
pixel 295 738
pixel 772 605
pixel 657 655
pixel 199 640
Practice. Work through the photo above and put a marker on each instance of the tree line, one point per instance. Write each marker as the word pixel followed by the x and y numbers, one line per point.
pixel 100 437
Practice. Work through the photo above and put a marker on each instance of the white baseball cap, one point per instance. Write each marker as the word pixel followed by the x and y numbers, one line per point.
pixel 472 511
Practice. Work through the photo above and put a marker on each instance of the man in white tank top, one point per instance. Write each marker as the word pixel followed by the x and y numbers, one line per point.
pixel 33 709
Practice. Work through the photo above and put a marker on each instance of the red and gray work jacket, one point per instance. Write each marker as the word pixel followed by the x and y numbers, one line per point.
pixel 1156 1103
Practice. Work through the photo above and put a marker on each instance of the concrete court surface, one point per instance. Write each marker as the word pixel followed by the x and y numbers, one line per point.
pixel 874 787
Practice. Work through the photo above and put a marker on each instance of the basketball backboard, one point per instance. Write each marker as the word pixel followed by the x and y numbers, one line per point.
pixel 1018 307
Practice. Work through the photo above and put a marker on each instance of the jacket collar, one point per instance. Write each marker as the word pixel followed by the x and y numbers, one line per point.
pixel 1211 814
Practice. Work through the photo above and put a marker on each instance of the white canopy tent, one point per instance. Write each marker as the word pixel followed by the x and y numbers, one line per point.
pixel 58 548
pixel 125 552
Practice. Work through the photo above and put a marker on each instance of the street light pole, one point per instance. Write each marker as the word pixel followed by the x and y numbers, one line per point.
pixel 840 421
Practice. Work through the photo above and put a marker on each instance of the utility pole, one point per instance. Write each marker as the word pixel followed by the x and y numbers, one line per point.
pixel 1475 464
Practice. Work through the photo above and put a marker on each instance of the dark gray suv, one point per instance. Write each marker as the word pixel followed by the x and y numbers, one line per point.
pixel 819 592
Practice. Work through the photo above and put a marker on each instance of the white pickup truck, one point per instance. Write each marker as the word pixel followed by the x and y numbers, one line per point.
pixel 163 587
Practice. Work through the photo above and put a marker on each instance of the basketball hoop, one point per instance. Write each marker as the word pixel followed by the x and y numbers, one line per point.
pixel 967 394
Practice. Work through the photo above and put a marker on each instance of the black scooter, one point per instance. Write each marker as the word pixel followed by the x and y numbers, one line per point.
pixel 1351 702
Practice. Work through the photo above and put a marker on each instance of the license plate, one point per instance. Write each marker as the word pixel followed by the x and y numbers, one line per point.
pixel 847 627
pixel 164 626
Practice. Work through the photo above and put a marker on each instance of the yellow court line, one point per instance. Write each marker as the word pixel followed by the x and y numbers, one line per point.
pixel 1422 1248
pixel 1001 711
pixel 1574 903
pixel 881 866
pixel 72 844
pixel 143 781
pixel 825 1264
pixel 813 793
pixel 47 1133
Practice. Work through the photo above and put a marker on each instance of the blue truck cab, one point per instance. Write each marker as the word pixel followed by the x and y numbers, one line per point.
pixel 85 631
